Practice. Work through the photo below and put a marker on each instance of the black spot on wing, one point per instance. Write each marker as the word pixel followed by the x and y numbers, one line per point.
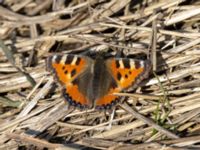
pixel 66 72
pixel 73 72
pixel 69 59
pixel 117 64
pixel 126 63
pixel 78 60
pixel 119 76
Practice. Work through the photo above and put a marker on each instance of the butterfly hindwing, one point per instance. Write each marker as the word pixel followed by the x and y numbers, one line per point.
pixel 108 100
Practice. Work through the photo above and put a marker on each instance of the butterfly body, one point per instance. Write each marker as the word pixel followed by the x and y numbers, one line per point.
pixel 91 82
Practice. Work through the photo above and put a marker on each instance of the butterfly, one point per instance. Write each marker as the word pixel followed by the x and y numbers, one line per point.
pixel 90 82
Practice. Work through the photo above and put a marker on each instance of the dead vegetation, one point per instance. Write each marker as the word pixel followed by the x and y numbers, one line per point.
pixel 161 114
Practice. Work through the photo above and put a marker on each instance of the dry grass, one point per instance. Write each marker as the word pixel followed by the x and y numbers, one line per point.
pixel 161 114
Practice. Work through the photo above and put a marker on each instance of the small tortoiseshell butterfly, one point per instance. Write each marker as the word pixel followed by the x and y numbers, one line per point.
pixel 90 82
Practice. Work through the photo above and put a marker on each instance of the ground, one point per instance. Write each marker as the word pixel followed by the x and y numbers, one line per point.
pixel 162 112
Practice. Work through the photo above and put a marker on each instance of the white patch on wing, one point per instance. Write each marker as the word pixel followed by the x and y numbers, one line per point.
pixel 121 64
pixel 74 60
pixel 142 64
pixel 132 64
pixel 63 60
pixel 54 58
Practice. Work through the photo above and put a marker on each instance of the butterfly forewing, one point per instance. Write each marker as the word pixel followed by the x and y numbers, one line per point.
pixel 128 72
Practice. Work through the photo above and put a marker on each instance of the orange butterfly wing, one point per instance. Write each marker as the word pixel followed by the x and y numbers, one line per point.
pixel 66 68
pixel 126 73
